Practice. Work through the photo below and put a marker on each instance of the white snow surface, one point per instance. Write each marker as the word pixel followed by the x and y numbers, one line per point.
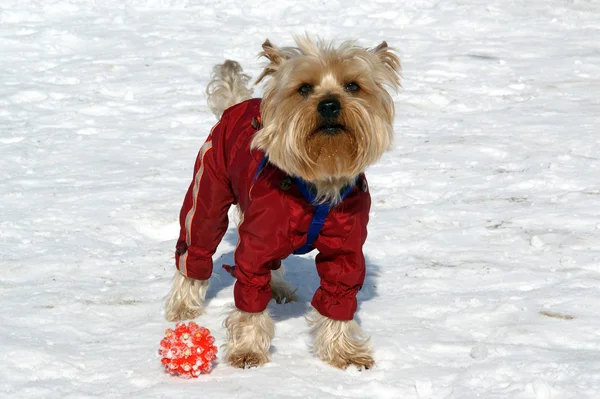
pixel 483 254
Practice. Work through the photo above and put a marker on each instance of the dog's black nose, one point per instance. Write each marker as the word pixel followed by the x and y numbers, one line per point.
pixel 329 108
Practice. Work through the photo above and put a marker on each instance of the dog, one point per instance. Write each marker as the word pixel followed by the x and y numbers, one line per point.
pixel 293 162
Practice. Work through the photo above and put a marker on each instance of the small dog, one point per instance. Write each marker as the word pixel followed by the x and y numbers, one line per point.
pixel 293 163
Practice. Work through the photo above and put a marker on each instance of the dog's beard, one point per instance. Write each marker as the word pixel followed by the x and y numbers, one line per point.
pixel 344 147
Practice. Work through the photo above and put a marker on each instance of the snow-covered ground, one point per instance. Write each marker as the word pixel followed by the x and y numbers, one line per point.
pixel 484 246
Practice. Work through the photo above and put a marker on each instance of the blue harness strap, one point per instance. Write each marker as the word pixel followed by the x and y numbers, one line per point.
pixel 321 210
pixel 261 165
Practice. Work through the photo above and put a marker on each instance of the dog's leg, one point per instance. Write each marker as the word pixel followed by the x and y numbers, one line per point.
pixel 281 290
pixel 339 343
pixel 186 298
pixel 249 337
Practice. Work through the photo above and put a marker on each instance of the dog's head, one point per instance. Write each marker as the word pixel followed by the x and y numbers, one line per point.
pixel 326 112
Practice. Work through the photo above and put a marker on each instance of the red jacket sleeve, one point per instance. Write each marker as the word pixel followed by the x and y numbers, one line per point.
pixel 203 217
pixel 341 264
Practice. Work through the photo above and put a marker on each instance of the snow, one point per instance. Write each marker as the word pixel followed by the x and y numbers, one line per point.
pixel 484 246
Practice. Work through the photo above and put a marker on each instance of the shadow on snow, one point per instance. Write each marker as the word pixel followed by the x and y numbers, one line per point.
pixel 300 272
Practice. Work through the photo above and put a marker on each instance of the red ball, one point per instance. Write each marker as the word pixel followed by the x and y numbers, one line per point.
pixel 188 351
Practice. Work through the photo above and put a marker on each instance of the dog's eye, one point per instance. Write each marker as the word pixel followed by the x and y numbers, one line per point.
pixel 352 87
pixel 305 89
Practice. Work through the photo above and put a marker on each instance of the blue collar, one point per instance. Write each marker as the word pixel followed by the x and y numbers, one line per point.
pixel 321 210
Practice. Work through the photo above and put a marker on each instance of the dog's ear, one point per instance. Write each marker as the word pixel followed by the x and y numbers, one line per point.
pixel 275 57
pixel 387 56
pixel 272 53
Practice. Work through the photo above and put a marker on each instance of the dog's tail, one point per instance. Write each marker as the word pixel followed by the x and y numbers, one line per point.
pixel 228 86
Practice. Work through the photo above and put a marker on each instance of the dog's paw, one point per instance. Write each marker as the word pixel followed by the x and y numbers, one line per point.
pixel 283 293
pixel 186 298
pixel 246 360
pixel 361 362
pixel 181 313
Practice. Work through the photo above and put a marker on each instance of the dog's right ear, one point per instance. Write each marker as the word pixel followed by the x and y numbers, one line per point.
pixel 275 57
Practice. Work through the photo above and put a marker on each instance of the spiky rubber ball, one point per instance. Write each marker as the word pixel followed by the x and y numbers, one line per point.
pixel 188 350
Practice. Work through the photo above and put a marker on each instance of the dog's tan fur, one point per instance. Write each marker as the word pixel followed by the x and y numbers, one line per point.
pixel 185 301
pixel 249 338
pixel 290 137
pixel 281 290
pixel 339 343
pixel 227 86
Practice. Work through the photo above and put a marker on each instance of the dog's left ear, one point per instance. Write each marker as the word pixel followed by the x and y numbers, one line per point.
pixel 387 56
pixel 275 57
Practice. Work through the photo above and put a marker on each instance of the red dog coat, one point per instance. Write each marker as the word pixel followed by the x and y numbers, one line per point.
pixel 276 219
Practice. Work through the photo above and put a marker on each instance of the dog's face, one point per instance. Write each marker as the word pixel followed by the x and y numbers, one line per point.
pixel 326 113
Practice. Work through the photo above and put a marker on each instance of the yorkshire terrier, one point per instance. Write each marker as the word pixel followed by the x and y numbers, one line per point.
pixel 293 162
